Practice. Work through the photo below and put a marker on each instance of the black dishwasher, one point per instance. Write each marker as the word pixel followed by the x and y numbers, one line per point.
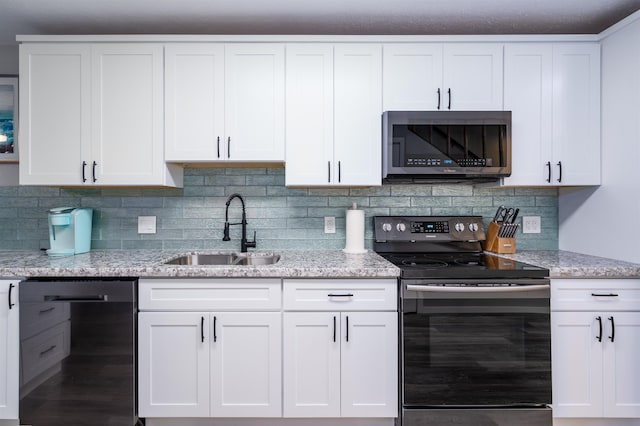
pixel 78 351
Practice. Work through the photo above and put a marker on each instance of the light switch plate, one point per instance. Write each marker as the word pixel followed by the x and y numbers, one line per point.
pixel 530 224
pixel 146 224
pixel 329 224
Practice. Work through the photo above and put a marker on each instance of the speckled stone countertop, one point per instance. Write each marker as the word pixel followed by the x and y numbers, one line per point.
pixel 150 263
pixel 566 264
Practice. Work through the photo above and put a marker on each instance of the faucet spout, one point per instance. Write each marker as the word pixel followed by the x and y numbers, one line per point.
pixel 244 243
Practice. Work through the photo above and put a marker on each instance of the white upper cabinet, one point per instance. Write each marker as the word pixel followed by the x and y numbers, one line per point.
pixel 224 102
pixel 553 91
pixel 55 105
pixel 334 108
pixel 92 114
pixel 194 102
pixel 433 76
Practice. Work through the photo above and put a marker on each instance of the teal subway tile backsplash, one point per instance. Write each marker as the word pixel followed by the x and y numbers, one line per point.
pixel 192 218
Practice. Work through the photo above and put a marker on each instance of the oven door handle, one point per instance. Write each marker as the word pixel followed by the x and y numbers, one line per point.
pixel 471 289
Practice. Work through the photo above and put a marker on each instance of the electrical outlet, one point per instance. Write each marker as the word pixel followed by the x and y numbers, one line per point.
pixel 329 224
pixel 146 224
pixel 530 224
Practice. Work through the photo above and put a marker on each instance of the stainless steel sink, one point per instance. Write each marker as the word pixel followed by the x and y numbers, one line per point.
pixel 247 259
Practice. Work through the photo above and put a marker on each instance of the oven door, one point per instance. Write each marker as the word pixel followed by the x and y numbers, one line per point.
pixel 487 345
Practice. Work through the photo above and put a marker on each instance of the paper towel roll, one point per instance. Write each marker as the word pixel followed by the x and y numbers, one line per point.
pixel 355 231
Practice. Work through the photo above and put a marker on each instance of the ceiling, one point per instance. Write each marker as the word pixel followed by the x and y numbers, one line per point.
pixel 421 17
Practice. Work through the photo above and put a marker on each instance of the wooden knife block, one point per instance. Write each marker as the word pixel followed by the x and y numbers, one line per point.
pixel 496 244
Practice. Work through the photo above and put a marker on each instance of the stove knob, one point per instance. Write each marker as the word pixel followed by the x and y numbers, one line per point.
pixel 459 227
pixel 473 227
pixel 401 227
pixel 386 227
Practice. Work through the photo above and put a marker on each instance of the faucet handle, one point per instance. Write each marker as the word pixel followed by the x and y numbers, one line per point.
pixel 252 244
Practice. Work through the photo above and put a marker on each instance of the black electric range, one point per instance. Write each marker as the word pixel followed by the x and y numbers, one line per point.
pixel 448 247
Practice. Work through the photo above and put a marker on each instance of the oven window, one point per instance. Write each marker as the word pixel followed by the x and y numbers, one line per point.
pixel 476 352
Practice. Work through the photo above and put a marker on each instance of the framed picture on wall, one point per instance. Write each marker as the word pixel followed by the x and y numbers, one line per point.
pixel 8 119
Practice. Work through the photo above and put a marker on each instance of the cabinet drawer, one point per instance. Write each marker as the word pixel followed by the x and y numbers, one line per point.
pixel 209 294
pixel 37 317
pixel 44 350
pixel 340 295
pixel 595 295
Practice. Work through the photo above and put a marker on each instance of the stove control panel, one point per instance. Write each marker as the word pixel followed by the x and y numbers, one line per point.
pixel 428 228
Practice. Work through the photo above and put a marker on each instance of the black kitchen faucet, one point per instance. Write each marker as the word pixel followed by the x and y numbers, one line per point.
pixel 244 244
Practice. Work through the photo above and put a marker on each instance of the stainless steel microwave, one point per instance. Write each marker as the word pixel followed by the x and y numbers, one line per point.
pixel 438 146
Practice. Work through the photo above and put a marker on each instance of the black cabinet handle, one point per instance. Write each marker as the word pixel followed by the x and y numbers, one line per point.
pixel 604 295
pixel 613 329
pixel 339 172
pixel 218 142
pixel 449 92
pixel 202 329
pixel 438 98
pixel 84 167
pixel 215 336
pixel 334 328
pixel 49 349
pixel 11 305
pixel 340 295
pixel 347 333
pixel 560 171
pixel 329 171
pixel 600 326
pixel 93 171
pixel 549 171
pixel 229 147
pixel 46 311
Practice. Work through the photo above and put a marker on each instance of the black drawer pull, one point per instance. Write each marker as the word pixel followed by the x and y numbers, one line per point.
pixel 45 311
pixel 46 351
pixel 340 295
pixel 604 295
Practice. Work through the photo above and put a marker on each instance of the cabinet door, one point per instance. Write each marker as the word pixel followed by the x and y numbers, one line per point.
pixel 369 364
pixel 576 114
pixel 412 77
pixel 173 364
pixel 358 115
pixel 127 111
pixel 311 362
pixel 620 368
pixel 528 94
pixel 254 102
pixel 246 364
pixel 9 352
pixel 309 123
pixel 194 102
pixel 473 74
pixel 55 105
pixel 576 356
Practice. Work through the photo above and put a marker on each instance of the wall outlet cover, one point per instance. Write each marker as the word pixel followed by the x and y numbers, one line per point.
pixel 530 224
pixel 329 224
pixel 146 224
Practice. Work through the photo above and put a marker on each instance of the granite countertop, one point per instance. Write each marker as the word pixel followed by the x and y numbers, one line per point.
pixel 566 264
pixel 150 263
pixel 292 264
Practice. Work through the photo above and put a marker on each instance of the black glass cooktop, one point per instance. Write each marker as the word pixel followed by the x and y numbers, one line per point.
pixel 461 265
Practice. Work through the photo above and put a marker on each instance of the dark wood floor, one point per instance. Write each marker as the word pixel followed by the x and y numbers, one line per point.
pixel 96 384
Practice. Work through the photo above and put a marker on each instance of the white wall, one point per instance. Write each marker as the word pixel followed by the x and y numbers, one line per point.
pixel 605 221
pixel 8 66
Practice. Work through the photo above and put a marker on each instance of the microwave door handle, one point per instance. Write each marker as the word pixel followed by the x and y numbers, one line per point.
pixel 471 289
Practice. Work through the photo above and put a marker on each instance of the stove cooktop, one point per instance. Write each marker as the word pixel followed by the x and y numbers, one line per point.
pixel 461 266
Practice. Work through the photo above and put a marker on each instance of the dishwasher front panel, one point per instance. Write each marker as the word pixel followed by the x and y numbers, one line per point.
pixel 79 368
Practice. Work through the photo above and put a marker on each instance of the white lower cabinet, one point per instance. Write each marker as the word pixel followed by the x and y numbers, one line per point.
pixel 595 345
pixel 9 344
pixel 224 348
pixel 208 364
pixel 340 364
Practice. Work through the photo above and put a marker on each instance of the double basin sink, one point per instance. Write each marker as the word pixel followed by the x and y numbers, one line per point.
pixel 228 259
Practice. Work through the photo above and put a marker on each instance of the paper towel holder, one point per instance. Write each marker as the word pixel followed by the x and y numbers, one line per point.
pixel 354 225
